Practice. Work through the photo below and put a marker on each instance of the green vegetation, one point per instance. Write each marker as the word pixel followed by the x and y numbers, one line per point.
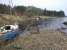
pixel 29 11
pixel 54 13
pixel 4 9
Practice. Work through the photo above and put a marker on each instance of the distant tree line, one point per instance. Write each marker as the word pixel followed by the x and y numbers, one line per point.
pixel 4 9
pixel 29 11
pixel 54 13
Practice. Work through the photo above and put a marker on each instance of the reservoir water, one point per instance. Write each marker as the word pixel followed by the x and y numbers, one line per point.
pixel 53 23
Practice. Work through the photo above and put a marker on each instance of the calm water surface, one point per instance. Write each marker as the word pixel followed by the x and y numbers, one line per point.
pixel 53 23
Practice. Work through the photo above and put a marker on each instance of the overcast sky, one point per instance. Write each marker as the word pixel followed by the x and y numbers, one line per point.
pixel 48 4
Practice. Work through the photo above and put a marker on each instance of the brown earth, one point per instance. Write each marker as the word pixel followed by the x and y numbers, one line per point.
pixel 44 40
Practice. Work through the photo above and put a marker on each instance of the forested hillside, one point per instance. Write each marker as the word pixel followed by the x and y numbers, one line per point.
pixel 29 11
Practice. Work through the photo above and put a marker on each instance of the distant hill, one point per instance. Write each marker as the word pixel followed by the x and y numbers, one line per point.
pixel 29 11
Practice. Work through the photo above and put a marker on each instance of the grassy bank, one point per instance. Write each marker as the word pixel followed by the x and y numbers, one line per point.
pixel 11 19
